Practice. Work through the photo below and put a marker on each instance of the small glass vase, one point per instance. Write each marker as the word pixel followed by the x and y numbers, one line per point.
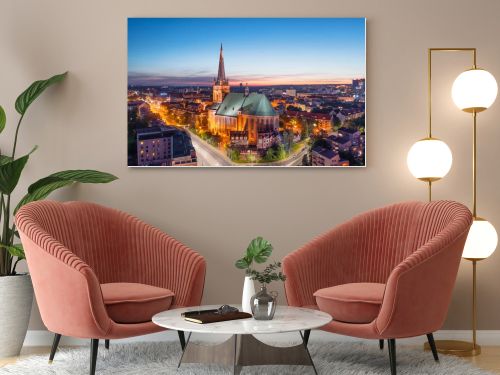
pixel 263 304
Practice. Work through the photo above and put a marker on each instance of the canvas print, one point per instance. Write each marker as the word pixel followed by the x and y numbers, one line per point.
pixel 239 92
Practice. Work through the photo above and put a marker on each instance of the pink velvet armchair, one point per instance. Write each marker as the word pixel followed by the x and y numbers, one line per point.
pixel 385 274
pixel 99 273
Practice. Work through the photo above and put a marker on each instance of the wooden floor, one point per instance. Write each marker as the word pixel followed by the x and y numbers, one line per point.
pixel 488 360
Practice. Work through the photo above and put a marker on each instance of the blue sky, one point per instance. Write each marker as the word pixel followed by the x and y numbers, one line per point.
pixel 256 50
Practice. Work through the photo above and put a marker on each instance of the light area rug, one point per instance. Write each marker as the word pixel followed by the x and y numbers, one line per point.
pixel 162 357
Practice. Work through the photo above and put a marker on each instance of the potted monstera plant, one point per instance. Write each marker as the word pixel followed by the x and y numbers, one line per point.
pixel 16 291
pixel 258 251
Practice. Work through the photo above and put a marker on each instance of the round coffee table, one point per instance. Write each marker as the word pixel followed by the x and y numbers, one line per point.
pixel 242 348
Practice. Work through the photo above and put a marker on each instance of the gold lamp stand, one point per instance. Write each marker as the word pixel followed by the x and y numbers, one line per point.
pixel 456 347
pixel 463 348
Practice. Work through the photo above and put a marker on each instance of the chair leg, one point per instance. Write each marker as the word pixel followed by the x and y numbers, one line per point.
pixel 182 339
pixel 106 344
pixel 307 333
pixel 432 344
pixel 381 344
pixel 55 344
pixel 392 355
pixel 94 345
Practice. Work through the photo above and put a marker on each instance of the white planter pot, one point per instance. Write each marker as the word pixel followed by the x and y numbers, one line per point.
pixel 248 292
pixel 16 298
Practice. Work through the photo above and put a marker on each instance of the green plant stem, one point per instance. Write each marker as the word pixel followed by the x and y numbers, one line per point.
pixel 6 237
pixel 13 271
pixel 11 242
pixel 5 234
pixel 15 137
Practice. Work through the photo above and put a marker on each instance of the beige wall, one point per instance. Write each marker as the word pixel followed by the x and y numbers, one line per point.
pixel 81 124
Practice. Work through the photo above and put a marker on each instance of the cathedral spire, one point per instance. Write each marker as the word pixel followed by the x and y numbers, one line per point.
pixel 221 84
pixel 221 75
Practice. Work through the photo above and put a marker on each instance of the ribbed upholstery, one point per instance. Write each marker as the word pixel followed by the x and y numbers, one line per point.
pixel 87 245
pixel 386 246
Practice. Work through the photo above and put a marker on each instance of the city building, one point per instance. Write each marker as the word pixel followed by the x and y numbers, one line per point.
pixel 339 142
pixel 358 84
pixel 323 121
pixel 164 146
pixel 352 134
pixel 239 138
pixel 349 114
pixel 346 99
pixel 266 139
pixel 183 152
pixel 321 156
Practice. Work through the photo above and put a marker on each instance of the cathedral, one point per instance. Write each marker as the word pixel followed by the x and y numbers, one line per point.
pixel 243 118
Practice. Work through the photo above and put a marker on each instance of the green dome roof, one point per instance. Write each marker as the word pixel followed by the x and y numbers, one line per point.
pixel 253 104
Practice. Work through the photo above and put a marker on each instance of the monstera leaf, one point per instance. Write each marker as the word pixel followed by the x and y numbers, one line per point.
pixel 31 93
pixel 43 187
pixel 258 250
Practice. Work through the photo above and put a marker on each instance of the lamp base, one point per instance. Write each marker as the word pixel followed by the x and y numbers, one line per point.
pixel 456 348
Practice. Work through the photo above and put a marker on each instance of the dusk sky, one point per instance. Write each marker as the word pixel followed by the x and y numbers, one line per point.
pixel 257 51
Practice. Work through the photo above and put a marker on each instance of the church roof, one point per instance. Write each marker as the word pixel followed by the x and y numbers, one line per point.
pixel 253 104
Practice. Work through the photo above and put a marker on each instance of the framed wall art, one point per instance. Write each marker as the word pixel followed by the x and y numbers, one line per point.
pixel 232 92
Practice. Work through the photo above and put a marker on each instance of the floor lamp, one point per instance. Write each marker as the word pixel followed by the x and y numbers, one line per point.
pixel 473 91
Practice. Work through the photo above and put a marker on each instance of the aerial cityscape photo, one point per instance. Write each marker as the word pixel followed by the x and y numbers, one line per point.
pixel 246 92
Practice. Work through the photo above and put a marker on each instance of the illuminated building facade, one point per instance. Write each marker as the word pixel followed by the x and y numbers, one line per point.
pixel 322 157
pixel 164 146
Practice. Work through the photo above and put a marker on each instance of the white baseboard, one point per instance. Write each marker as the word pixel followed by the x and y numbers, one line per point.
pixel 484 337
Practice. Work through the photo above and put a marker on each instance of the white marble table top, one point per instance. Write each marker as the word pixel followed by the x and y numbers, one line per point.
pixel 286 319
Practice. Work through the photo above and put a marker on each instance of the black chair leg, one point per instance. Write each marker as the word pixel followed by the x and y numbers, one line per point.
pixel 392 355
pixel 55 344
pixel 307 333
pixel 381 344
pixel 432 344
pixel 106 344
pixel 94 345
pixel 182 339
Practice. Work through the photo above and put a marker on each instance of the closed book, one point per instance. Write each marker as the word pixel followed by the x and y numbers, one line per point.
pixel 195 313
pixel 210 317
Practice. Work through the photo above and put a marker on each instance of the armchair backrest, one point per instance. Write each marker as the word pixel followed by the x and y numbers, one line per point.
pixel 67 290
pixel 92 232
pixel 387 236
pixel 368 247
pixel 379 242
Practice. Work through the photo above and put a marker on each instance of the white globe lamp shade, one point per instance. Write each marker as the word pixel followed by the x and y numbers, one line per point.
pixel 474 90
pixel 429 159
pixel 481 241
